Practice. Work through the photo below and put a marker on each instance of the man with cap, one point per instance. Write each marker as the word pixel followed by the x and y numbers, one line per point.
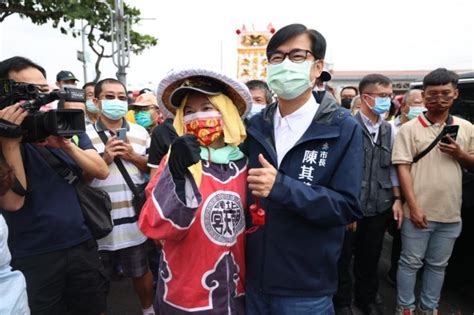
pixel 321 86
pixel 305 173
pixel 197 199
pixel 65 78
pixel 146 113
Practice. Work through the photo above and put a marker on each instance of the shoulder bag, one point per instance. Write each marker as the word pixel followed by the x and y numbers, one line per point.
pixel 95 202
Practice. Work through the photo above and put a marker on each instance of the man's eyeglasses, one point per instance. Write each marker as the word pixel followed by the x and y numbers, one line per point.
pixel 444 96
pixel 295 55
pixel 112 97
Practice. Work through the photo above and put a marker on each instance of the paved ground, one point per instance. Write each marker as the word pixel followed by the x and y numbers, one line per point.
pixel 456 300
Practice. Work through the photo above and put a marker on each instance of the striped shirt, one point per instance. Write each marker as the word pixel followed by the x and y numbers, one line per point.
pixel 125 232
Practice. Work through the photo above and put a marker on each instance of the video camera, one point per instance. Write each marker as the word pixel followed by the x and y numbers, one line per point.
pixel 39 125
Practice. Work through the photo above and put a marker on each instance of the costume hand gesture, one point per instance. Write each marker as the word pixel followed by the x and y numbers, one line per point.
pixel 185 151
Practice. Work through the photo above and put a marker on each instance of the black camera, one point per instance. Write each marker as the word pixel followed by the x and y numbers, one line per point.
pixel 39 125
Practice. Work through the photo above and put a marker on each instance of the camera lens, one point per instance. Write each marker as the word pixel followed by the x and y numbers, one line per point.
pixel 63 123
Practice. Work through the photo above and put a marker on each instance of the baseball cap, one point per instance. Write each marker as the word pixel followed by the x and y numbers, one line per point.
pixel 65 75
pixel 145 99
pixel 325 76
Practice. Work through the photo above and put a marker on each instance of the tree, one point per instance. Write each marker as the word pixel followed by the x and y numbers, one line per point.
pixel 64 14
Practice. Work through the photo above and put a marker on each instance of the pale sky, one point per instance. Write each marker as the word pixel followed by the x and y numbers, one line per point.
pixel 361 35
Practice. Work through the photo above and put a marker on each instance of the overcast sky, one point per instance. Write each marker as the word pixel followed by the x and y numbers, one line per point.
pixel 361 35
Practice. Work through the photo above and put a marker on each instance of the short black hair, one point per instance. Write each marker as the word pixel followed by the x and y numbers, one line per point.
pixel 318 42
pixel 373 79
pixel 98 85
pixel 88 84
pixel 262 85
pixel 17 64
pixel 440 76
pixel 350 87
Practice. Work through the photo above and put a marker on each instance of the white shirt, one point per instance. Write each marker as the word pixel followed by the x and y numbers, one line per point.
pixel 372 128
pixel 396 124
pixel 289 129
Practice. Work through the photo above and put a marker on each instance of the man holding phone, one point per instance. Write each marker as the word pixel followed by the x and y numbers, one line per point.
pixel 126 146
pixel 432 187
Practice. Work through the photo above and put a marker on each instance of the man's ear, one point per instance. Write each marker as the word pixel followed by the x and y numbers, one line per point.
pixel 319 67
pixel 97 103
pixel 456 94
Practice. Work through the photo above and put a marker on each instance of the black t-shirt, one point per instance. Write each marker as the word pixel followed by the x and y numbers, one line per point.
pixel 161 138
pixel 51 218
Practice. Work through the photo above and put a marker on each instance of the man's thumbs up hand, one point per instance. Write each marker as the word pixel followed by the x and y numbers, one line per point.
pixel 261 180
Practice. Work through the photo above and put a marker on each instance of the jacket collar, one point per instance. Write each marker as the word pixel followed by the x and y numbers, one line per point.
pixel 322 127
pixel 384 127
pixel 327 108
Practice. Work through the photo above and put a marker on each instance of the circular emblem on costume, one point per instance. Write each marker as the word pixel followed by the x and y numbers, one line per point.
pixel 222 217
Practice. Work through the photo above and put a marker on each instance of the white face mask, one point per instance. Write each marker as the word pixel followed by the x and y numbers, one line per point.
pixel 288 79
pixel 255 109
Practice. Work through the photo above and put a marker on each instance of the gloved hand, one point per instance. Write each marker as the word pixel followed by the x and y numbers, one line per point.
pixel 185 151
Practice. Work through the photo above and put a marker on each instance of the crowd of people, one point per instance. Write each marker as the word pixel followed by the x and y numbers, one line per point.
pixel 259 198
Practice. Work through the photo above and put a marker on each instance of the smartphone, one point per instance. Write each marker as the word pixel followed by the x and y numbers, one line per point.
pixel 452 131
pixel 121 134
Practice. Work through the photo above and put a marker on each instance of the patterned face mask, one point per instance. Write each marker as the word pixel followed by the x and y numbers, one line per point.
pixel 206 126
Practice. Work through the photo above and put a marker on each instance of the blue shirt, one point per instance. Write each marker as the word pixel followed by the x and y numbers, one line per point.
pixel 51 218
pixel 12 283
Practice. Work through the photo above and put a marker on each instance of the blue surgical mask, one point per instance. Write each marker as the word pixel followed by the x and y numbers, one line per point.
pixel 91 108
pixel 114 109
pixel 256 108
pixel 143 119
pixel 415 111
pixel 382 105
pixel 289 79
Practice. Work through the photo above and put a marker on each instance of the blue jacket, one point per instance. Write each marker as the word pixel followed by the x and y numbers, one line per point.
pixel 296 252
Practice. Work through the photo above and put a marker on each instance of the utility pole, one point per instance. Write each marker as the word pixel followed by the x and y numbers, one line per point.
pixel 84 60
pixel 120 38
pixel 121 41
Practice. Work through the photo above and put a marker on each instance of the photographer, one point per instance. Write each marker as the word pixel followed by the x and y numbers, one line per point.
pixel 49 240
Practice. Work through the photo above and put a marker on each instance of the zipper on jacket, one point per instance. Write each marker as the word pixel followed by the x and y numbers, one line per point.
pixel 369 186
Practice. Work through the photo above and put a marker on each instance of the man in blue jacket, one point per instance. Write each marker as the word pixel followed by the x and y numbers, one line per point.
pixel 305 161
